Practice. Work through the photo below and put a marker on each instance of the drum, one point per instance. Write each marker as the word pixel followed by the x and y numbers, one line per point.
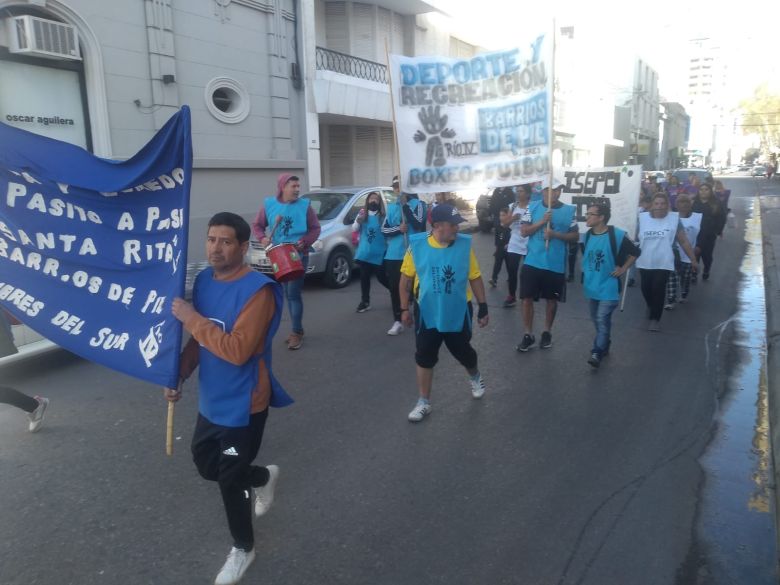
pixel 285 261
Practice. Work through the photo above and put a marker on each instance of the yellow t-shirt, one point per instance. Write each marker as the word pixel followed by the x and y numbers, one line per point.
pixel 408 268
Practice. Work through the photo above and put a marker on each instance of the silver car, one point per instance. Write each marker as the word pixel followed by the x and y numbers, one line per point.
pixel 333 254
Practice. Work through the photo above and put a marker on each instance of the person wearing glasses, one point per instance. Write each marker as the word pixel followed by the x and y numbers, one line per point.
pixel 608 254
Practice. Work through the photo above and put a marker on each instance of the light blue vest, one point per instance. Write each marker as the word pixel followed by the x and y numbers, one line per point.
pixel 554 257
pixel 598 263
pixel 443 275
pixel 226 389
pixel 293 225
pixel 372 245
pixel 395 244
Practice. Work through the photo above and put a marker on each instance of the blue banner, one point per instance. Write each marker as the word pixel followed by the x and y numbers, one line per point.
pixel 93 251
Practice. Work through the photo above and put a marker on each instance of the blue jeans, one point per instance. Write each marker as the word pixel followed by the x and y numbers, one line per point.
pixel 601 315
pixel 292 290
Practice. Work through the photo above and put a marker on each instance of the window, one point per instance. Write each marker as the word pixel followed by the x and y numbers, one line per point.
pixel 227 100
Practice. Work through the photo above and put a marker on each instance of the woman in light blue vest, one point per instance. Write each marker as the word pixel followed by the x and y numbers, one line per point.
pixel 397 229
pixel 370 253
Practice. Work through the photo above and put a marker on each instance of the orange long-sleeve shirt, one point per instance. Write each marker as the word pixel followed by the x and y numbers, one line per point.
pixel 245 340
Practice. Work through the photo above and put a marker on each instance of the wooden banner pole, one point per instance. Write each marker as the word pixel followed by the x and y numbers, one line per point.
pixel 169 425
pixel 552 133
pixel 395 139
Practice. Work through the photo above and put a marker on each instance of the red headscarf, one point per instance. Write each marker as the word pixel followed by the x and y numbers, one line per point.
pixel 283 179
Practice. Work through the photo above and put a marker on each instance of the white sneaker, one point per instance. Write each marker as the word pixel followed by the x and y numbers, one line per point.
pixel 477 387
pixel 36 416
pixel 420 411
pixel 264 495
pixel 235 566
pixel 396 329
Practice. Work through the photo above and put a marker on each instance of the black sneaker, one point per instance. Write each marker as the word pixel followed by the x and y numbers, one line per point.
pixel 546 340
pixel 363 307
pixel 528 342
pixel 705 276
pixel 594 361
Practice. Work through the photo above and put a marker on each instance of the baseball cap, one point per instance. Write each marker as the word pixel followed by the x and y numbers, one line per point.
pixel 445 212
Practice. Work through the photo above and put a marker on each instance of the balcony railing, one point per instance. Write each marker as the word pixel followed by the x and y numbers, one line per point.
pixel 353 66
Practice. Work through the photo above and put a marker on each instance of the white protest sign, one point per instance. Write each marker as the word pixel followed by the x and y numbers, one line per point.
pixel 618 187
pixel 471 123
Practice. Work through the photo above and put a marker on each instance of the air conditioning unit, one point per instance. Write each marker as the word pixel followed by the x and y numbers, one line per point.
pixel 39 37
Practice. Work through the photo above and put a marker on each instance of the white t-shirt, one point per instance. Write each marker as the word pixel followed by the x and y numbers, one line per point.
pixel 517 243
pixel 691 225
pixel 656 238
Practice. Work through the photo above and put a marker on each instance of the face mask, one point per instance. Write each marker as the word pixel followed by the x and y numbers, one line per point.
pixel 373 206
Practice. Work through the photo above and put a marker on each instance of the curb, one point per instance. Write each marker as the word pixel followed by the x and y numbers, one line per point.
pixel 770 214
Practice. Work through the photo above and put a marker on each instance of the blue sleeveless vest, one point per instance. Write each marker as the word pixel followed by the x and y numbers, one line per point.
pixel 293 225
pixel 395 244
pixel 443 275
pixel 598 263
pixel 554 257
pixel 372 244
pixel 225 389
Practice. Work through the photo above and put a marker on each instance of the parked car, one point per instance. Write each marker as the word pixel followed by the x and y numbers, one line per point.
pixel 758 171
pixel 332 255
pixel 484 215
pixel 660 176
pixel 683 174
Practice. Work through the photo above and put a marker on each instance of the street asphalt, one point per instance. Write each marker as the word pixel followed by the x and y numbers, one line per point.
pixel 561 475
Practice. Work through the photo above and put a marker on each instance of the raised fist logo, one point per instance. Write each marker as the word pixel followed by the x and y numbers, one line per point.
pixel 448 276
pixel 286 226
pixel 435 126
pixel 598 260
pixel 371 235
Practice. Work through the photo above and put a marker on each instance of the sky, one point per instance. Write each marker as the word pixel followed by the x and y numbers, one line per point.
pixel 660 35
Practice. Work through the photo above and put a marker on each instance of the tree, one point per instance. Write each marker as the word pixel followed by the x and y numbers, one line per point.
pixel 761 115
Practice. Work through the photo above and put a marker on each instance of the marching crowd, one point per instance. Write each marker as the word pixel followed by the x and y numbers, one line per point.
pixel 432 274
pixel 433 277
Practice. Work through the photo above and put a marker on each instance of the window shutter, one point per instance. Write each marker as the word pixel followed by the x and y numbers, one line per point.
pixel 336 27
pixel 340 142
pixel 366 171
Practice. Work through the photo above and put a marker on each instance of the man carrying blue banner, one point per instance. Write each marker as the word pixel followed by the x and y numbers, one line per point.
pixel 233 319
pixel 444 271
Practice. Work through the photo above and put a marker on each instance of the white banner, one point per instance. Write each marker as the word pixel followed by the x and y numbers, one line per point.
pixel 618 187
pixel 474 123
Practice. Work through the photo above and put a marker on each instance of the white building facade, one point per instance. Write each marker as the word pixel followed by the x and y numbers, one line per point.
pixel 131 65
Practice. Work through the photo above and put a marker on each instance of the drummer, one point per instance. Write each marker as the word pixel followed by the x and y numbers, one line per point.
pixel 297 225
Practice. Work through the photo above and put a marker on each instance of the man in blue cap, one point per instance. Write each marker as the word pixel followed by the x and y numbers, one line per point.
pixel 445 275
